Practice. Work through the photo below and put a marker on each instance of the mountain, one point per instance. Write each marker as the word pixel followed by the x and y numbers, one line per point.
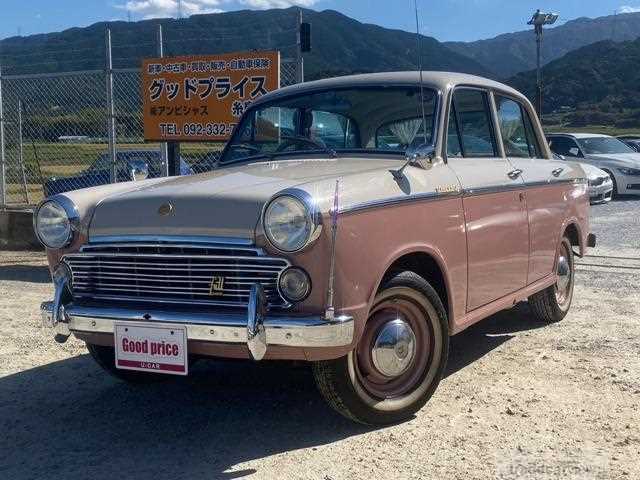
pixel 598 84
pixel 340 44
pixel 511 53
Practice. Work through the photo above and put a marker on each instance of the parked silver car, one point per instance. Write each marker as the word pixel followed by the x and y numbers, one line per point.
pixel 600 183
pixel 610 154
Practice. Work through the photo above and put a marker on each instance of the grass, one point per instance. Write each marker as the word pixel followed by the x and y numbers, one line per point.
pixel 51 159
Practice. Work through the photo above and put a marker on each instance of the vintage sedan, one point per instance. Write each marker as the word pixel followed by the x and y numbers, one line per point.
pixel 355 223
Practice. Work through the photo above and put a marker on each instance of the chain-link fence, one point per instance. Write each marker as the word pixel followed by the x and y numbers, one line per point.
pixel 54 133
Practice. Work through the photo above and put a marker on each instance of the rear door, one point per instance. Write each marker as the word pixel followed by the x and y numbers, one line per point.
pixel 495 215
pixel 546 182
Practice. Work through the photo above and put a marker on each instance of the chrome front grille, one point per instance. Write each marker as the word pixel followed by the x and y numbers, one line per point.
pixel 186 274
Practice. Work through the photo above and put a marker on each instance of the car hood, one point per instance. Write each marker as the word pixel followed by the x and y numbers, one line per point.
pixel 629 160
pixel 593 171
pixel 227 202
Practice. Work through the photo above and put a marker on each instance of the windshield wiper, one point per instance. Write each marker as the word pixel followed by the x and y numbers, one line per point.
pixel 291 139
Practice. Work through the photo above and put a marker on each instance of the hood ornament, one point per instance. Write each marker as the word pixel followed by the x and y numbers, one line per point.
pixel 165 209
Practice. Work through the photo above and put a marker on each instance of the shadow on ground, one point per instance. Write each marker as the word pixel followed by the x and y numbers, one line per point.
pixel 68 420
pixel 24 273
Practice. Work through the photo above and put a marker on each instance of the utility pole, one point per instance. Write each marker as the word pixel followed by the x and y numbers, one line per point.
pixel 299 57
pixel 164 150
pixel 111 111
pixel 538 20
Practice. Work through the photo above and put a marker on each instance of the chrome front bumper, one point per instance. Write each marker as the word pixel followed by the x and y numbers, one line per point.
pixel 252 327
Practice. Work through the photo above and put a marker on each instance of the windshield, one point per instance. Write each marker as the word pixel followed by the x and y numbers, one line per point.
pixel 371 119
pixel 603 145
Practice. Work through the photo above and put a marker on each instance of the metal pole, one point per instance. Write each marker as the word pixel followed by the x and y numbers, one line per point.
pixel 111 113
pixel 21 153
pixel 3 180
pixel 538 71
pixel 164 151
pixel 299 57
pixel 173 149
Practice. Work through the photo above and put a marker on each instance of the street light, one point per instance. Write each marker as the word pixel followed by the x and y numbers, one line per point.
pixel 538 20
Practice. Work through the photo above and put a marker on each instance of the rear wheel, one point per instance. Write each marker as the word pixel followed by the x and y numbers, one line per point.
pixel 552 304
pixel 399 360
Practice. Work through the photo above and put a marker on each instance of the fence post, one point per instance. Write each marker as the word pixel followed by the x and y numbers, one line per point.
pixel 3 178
pixel 111 113
pixel 164 151
pixel 299 57
pixel 21 154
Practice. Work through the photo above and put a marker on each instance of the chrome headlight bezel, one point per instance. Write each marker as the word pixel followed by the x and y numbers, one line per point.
pixel 312 215
pixel 70 212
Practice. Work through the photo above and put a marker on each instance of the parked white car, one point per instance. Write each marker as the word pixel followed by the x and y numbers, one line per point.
pixel 608 153
pixel 600 183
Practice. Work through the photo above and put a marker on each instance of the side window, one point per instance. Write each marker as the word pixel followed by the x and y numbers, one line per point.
pixel 534 144
pixel 454 149
pixel 564 146
pixel 334 130
pixel 401 134
pixel 512 129
pixel 473 121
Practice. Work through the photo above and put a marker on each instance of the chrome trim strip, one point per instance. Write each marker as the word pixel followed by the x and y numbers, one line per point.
pixel 283 330
pixel 469 192
pixel 221 241
pixel 396 200
pixel 466 192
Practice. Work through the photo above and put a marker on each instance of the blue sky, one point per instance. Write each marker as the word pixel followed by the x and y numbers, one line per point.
pixel 442 19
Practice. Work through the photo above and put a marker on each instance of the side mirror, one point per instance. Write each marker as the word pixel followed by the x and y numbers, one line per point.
pixel 139 171
pixel 421 156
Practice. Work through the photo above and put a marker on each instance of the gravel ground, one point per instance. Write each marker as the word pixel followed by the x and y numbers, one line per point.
pixel 520 400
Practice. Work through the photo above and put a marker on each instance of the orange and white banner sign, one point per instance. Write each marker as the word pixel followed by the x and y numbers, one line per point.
pixel 196 98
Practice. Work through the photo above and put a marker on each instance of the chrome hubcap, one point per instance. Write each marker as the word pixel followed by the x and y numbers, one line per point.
pixel 564 273
pixel 394 348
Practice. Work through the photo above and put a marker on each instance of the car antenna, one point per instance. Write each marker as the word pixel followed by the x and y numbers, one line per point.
pixel 411 158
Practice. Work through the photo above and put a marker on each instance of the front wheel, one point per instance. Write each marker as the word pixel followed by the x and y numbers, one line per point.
pixel 399 360
pixel 552 304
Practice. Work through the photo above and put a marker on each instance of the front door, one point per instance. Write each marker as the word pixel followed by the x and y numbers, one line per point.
pixel 494 207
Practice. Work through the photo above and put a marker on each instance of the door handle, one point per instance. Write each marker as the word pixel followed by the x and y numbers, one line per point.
pixel 513 174
pixel 557 171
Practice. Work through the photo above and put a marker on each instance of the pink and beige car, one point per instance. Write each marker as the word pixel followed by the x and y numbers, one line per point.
pixel 355 223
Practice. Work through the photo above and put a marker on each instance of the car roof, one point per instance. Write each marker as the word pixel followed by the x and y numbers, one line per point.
pixel 578 135
pixel 438 80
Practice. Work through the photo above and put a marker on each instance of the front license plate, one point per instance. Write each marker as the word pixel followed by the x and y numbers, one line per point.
pixel 146 348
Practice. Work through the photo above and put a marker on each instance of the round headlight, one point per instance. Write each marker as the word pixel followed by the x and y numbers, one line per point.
pixel 53 225
pixel 288 223
pixel 294 284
